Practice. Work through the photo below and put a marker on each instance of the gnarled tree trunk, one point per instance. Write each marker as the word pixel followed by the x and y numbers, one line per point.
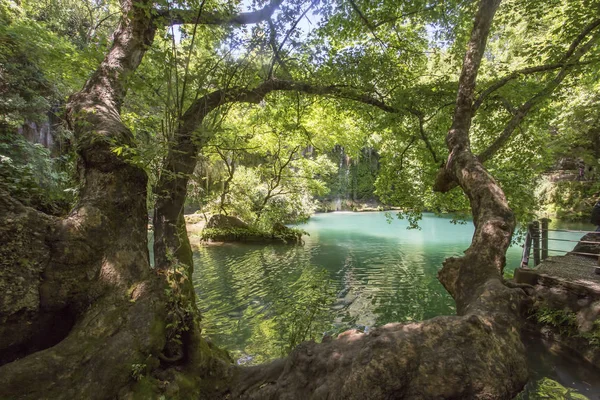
pixel 87 278
pixel 82 312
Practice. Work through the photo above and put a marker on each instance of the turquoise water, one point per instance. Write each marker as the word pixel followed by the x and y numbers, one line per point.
pixel 355 270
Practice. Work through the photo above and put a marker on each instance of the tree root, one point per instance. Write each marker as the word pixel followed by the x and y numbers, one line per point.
pixel 478 355
pixel 95 360
pixel 527 288
pixel 170 360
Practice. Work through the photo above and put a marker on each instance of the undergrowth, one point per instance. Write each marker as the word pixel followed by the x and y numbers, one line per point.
pixel 237 234
pixel 565 322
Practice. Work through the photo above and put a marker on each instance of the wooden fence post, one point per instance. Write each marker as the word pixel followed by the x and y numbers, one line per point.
pixel 527 246
pixel 545 222
pixel 536 242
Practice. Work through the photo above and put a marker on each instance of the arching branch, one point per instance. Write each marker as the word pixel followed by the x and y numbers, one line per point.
pixel 179 17
pixel 565 62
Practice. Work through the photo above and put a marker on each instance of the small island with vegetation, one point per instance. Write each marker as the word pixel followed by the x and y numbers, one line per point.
pixel 136 135
pixel 222 228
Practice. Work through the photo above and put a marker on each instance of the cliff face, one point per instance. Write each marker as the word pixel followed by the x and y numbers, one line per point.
pixel 46 133
pixel 38 133
pixel 354 184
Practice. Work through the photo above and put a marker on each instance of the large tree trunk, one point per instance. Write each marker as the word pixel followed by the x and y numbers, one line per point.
pixel 85 281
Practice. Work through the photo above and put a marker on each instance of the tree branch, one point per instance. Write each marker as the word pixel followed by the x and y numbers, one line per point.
pixel 276 57
pixel 179 17
pixel 367 23
pixel 516 74
pixel 277 49
pixel 420 117
pixel 524 109
pixel 412 140
pixel 201 107
pixel 564 62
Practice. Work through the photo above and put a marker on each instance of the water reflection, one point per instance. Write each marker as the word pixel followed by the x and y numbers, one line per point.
pixel 354 271
pixel 373 273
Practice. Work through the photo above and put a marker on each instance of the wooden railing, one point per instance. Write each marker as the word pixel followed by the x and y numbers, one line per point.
pixel 537 239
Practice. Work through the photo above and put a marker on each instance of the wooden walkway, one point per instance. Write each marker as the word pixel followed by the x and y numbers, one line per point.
pixel 574 269
pixel 578 266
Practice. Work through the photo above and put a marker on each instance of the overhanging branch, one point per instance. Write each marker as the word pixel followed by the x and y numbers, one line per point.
pixel 516 74
pixel 548 89
pixel 179 17
pixel 200 108
pixel 565 62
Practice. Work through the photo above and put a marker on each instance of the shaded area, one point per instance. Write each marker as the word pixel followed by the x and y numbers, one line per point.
pixel 556 374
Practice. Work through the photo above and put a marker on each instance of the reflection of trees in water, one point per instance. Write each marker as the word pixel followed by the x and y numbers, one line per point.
pixel 384 282
pixel 300 312
pixel 259 301
pixel 267 299
pixel 412 289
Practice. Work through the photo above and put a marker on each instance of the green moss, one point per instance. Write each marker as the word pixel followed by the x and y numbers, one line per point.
pixel 144 388
pixel 547 388
pixel 158 329
pixel 238 234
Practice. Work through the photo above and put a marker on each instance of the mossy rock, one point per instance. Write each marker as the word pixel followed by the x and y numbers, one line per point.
pixel 220 221
pixel 252 235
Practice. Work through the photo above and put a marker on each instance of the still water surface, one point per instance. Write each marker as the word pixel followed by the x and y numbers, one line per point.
pixel 355 270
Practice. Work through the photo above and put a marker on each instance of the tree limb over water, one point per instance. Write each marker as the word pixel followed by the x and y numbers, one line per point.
pixel 92 268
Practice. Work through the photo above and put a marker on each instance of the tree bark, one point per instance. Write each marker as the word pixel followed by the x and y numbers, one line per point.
pixel 92 269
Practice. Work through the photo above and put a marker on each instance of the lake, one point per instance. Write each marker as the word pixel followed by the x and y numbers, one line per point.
pixel 355 270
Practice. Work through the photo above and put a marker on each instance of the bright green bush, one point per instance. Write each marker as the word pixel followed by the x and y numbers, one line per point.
pixel 289 235
pixel 30 175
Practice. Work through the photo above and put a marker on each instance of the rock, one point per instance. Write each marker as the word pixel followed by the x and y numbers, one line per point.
pixel 193 218
pixel 590 248
pixel 220 221
pixel 282 232
pixel 278 227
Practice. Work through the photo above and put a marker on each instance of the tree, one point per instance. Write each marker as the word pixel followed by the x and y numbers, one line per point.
pixel 117 318
pixel 110 307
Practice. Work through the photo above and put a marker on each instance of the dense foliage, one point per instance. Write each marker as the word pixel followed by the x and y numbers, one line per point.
pixel 270 162
pixel 268 116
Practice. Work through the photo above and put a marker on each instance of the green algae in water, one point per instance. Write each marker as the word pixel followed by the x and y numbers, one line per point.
pixel 547 388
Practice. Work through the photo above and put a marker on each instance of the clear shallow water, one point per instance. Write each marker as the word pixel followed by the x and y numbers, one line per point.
pixel 355 270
